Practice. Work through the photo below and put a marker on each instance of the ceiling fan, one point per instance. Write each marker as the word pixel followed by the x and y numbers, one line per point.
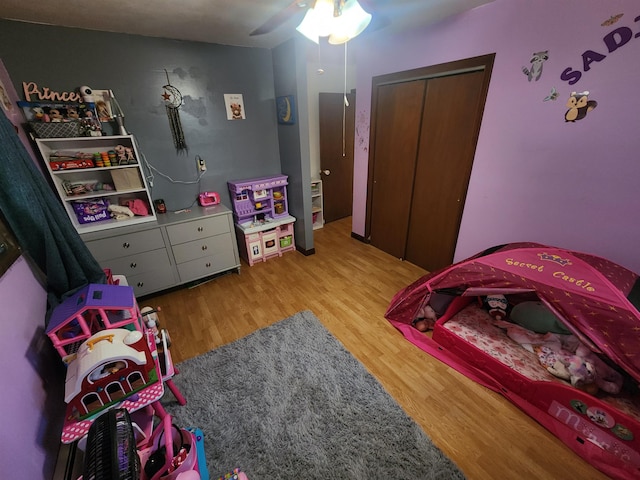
pixel 299 8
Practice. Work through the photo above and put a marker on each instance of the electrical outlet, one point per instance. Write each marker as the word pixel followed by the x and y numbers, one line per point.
pixel 202 166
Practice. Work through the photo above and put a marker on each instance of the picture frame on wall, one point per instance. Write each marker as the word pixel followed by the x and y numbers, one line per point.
pixel 234 104
pixel 286 109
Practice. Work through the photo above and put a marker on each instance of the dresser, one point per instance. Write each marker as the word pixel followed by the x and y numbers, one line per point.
pixel 175 249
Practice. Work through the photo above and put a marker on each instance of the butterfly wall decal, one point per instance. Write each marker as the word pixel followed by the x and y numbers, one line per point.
pixel 552 95
pixel 611 20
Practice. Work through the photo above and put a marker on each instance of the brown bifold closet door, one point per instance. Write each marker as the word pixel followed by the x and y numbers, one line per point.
pixel 424 130
pixel 445 156
pixel 399 111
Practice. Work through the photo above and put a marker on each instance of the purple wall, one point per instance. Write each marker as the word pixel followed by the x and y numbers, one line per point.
pixel 31 414
pixel 535 177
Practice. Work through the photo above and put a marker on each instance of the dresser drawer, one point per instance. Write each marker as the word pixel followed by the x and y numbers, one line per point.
pixel 202 248
pixel 207 227
pixel 203 267
pixel 151 281
pixel 124 245
pixel 135 264
pixel 201 242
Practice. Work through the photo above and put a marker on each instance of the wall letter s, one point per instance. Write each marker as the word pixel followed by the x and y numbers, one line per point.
pixel 570 75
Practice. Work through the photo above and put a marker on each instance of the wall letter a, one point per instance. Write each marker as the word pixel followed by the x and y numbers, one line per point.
pixel 589 57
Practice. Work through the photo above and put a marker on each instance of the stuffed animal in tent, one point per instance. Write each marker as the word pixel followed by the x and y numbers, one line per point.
pixel 582 373
pixel 551 350
pixel 549 359
pixel 497 306
pixel 425 319
pixel 606 378
pixel 566 357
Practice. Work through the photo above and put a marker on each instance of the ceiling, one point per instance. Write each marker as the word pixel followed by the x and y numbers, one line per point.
pixel 227 22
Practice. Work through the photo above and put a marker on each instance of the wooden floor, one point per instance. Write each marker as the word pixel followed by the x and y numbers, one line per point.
pixel 348 285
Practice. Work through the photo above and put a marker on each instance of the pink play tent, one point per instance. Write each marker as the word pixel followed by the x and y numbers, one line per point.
pixel 595 299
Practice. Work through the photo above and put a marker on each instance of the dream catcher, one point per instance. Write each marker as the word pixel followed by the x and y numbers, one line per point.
pixel 172 101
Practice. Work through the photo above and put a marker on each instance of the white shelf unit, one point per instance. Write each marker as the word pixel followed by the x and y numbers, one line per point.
pixel 133 187
pixel 316 204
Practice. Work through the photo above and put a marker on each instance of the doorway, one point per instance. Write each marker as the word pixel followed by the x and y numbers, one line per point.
pixel 337 131
pixel 424 129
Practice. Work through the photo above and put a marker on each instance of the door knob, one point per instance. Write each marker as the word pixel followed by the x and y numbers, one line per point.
pixel 326 172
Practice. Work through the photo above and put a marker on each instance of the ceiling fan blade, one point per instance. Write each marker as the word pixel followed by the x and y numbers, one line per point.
pixel 281 17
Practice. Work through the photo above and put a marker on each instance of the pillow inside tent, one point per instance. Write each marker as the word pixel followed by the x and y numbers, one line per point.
pixel 536 316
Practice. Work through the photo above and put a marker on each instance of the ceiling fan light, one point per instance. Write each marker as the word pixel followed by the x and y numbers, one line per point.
pixel 318 21
pixel 323 16
pixel 350 24
pixel 308 26
pixel 324 8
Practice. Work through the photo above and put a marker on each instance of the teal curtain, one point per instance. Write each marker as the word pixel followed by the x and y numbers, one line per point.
pixel 40 223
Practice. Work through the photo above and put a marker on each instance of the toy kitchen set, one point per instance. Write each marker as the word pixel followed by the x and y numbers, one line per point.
pixel 261 212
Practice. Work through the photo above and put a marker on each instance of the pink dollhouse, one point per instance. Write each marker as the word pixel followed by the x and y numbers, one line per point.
pixel 109 366
pixel 99 333
pixel 94 308
pixel 115 359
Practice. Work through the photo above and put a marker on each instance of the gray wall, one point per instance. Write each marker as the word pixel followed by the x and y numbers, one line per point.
pixel 291 79
pixel 134 68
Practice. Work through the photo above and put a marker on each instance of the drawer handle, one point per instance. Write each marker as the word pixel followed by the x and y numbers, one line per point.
pixel 208 265
pixel 204 247
pixel 126 245
pixel 133 265
pixel 140 284
pixel 200 229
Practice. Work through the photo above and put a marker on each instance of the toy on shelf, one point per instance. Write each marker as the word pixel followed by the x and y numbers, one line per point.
pixel 94 308
pixel 110 366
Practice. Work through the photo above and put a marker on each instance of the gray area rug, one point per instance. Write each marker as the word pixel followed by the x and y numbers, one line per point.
pixel 290 402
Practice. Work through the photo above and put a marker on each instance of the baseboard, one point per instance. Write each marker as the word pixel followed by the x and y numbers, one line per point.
pixel 359 237
pixel 306 252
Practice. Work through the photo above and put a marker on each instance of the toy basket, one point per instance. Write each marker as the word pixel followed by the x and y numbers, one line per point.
pixel 56 129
